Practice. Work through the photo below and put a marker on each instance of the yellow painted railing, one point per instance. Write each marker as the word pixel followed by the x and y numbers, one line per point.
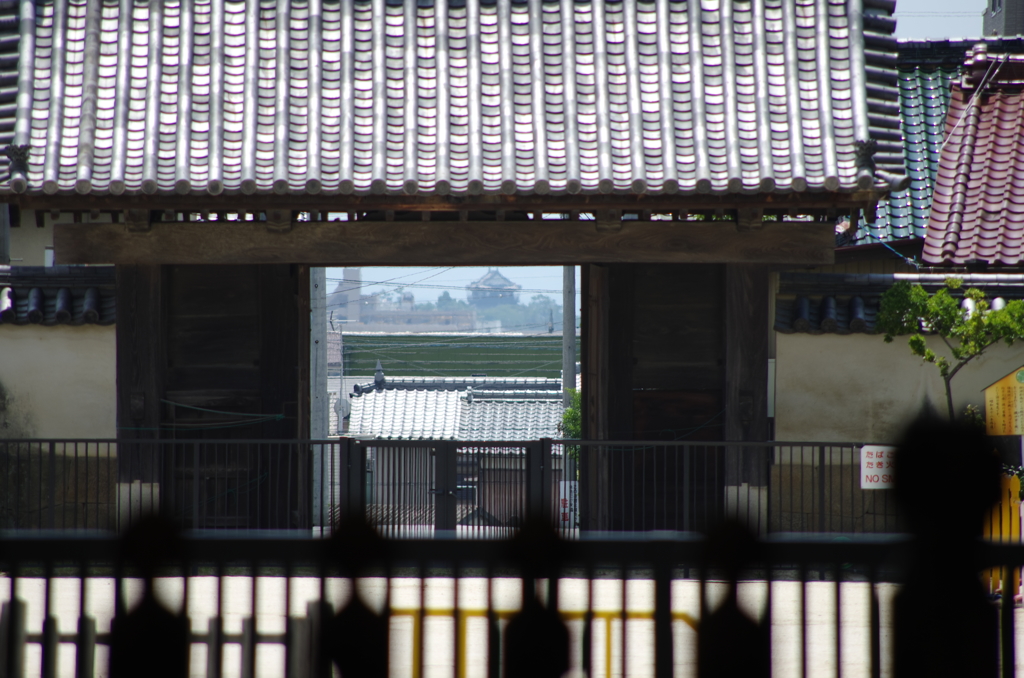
pixel 464 615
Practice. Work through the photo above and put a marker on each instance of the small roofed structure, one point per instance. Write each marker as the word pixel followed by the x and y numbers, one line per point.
pixel 470 408
pixel 486 415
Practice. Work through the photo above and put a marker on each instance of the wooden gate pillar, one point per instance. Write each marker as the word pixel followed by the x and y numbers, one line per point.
pixel 746 385
pixel 607 363
pixel 140 352
pixel 607 355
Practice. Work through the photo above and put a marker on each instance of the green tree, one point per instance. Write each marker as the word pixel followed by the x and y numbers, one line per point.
pixel 531 318
pixel 572 421
pixel 967 332
pixel 446 303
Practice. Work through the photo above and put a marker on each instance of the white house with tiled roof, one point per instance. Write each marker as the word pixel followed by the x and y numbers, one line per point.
pixel 471 408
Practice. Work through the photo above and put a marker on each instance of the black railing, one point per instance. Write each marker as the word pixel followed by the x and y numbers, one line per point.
pixel 415 488
pixel 470 489
pixel 198 484
pixel 58 484
pixel 638 486
pixel 642 606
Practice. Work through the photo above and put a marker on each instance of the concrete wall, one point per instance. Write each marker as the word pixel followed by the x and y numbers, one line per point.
pixel 57 382
pixel 857 388
pixel 1003 17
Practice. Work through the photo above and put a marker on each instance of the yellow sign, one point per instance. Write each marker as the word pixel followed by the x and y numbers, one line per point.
pixel 1004 405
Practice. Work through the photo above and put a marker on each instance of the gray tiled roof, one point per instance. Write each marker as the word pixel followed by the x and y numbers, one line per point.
pixel 493 412
pixel 9 46
pixel 924 100
pixel 456 96
pixel 406 414
pixel 511 419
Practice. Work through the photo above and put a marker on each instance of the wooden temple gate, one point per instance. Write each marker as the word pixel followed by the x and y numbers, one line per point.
pixel 677 168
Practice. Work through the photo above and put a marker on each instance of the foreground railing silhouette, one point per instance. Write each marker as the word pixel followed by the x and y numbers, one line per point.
pixel 209 591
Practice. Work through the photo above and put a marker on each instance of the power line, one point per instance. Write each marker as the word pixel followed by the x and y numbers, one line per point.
pixel 390 281
pixel 418 283
pixel 357 344
pixel 540 341
pixel 435 286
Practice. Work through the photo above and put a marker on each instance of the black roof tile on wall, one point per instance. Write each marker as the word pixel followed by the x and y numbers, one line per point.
pixel 58 295
pixel 839 303
pixel 817 314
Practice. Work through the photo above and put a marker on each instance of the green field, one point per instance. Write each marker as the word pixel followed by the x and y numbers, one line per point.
pixel 455 355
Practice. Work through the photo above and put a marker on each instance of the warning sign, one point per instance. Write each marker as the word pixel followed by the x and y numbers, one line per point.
pixel 876 467
pixel 1004 405
pixel 568 504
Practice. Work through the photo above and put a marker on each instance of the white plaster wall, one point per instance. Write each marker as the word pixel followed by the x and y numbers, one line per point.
pixel 57 382
pixel 857 388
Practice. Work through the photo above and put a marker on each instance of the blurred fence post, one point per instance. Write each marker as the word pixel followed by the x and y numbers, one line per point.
pixel 51 482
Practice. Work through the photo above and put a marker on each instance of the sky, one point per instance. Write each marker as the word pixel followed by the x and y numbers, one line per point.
pixel 428 283
pixel 939 18
pixel 915 19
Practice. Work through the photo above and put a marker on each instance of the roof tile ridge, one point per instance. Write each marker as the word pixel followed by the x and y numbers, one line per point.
pixel 963 163
pixel 985 152
pixel 944 171
pixel 1016 160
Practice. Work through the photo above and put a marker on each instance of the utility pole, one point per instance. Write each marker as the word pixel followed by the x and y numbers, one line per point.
pixel 568 332
pixel 318 397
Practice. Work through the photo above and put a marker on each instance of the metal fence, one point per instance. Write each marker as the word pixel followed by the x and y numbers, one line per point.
pixel 58 484
pixel 638 607
pixel 771 486
pixel 474 489
pixel 198 484
pixel 414 488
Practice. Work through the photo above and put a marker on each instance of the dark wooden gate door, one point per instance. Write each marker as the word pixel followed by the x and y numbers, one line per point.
pixel 224 365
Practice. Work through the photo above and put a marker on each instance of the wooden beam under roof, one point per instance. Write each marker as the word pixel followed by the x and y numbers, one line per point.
pixel 797 203
pixel 453 243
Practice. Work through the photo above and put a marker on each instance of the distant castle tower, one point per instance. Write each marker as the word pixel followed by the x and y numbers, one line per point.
pixel 493 289
pixel 1003 17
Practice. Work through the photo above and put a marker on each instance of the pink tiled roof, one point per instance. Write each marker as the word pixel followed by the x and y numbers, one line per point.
pixel 978 206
